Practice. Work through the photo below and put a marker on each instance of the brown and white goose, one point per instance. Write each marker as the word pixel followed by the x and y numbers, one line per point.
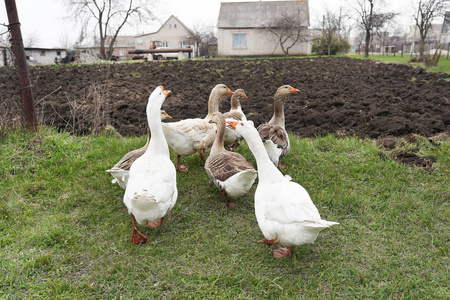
pixel 273 134
pixel 229 171
pixel 235 114
pixel 188 136
pixel 121 169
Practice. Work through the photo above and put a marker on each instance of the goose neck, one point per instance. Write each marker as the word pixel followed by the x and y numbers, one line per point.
pixel 158 143
pixel 213 104
pixel 218 144
pixel 266 169
pixel 278 111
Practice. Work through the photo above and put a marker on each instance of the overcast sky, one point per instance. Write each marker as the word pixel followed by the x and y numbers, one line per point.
pixel 44 19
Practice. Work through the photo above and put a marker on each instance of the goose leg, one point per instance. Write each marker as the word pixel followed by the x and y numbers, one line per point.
pixel 236 143
pixel 136 237
pixel 156 224
pixel 179 167
pixel 227 203
pixel 281 166
pixel 268 242
pixel 202 156
pixel 283 252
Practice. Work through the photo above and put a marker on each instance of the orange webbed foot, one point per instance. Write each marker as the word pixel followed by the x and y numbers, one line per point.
pixel 283 252
pixel 183 168
pixel 137 237
pixel 229 204
pixel 268 242
pixel 281 166
pixel 155 224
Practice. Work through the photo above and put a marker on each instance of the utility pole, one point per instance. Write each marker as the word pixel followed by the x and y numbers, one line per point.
pixel 21 63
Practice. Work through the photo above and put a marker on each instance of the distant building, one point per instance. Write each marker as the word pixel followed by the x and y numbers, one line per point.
pixel 173 34
pixel 122 45
pixel 6 55
pixel 45 56
pixel 243 27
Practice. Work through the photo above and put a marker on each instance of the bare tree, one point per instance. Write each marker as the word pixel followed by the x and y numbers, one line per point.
pixel 370 17
pixel 203 35
pixel 383 28
pixel 109 17
pixel 331 27
pixel 64 40
pixel 427 12
pixel 287 30
pixel 31 40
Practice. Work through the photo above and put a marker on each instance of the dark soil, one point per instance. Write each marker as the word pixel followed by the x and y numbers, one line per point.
pixel 338 95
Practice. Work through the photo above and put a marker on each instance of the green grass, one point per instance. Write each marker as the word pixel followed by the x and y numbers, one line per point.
pixel 65 232
pixel 443 66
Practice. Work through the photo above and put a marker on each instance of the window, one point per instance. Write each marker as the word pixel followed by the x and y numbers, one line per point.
pixel 239 40
pixel 58 53
pixel 170 25
pixel 42 53
pixel 174 25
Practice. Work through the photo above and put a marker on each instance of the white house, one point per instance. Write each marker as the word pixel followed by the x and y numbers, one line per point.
pixel 247 28
pixel 45 56
pixel 173 33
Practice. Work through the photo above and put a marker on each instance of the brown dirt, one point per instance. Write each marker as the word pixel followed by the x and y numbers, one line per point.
pixel 338 95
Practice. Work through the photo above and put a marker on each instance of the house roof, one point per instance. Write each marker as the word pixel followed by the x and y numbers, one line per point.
pixel 172 16
pixel 260 14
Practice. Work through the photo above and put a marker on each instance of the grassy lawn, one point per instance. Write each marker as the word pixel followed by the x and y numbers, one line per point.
pixel 443 66
pixel 65 233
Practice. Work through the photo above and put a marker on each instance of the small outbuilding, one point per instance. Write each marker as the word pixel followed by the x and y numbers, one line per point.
pixel 264 28
pixel 45 56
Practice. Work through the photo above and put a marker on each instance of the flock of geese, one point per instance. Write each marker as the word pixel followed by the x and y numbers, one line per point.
pixel 283 208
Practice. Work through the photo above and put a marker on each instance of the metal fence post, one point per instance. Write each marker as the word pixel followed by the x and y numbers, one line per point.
pixel 21 63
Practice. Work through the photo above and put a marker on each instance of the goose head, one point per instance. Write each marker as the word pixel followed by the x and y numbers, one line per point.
pixel 158 95
pixel 217 118
pixel 285 90
pixel 164 115
pixel 236 98
pixel 245 128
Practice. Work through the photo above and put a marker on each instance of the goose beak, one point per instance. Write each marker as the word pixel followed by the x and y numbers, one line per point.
pixel 232 124
pixel 168 116
pixel 245 96
pixel 166 92
pixel 294 90
pixel 229 92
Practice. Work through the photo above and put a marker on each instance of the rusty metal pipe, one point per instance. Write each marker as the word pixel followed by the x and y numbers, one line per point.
pixel 141 51
pixel 21 63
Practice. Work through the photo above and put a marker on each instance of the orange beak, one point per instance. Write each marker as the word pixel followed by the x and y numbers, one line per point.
pixel 245 96
pixel 232 124
pixel 166 93
pixel 229 92
pixel 168 116
pixel 294 90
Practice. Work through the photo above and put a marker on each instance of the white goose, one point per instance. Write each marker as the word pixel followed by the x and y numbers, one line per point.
pixel 283 208
pixel 188 136
pixel 121 169
pixel 273 133
pixel 151 190
pixel 235 114
pixel 230 172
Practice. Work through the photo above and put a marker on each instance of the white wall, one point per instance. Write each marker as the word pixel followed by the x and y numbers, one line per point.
pixel 173 33
pixel 259 42
pixel 46 56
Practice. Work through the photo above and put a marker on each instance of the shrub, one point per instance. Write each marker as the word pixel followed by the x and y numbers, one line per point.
pixel 338 45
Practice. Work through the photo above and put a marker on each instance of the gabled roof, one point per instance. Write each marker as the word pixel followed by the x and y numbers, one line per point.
pixel 259 14
pixel 172 16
